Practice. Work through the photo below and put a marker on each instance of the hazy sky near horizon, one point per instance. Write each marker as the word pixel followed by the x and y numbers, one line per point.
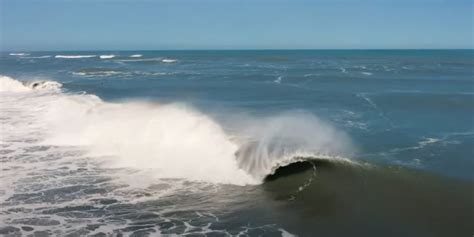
pixel 234 24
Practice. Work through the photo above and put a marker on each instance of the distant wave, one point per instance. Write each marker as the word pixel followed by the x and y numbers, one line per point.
pixel 177 140
pixel 37 57
pixel 106 72
pixel 98 73
pixel 149 60
pixel 278 80
pixel 75 56
pixel 367 73
pixel 137 59
pixel 19 54
pixel 136 56
pixel 169 60
pixel 107 56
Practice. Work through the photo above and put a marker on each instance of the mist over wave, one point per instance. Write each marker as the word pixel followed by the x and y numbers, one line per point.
pixel 176 140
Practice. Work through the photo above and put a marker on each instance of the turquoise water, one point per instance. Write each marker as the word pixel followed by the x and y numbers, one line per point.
pixel 386 137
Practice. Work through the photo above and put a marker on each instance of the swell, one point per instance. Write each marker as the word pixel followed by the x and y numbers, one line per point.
pixel 354 194
pixel 174 140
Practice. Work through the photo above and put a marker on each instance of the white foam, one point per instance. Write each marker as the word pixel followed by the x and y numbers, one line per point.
pixel 75 56
pixel 367 73
pixel 107 56
pixel 8 84
pixel 173 140
pixel 136 56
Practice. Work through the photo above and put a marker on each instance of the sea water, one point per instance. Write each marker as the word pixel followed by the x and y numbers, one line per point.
pixel 239 143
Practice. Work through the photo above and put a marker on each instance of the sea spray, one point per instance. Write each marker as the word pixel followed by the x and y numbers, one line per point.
pixel 177 141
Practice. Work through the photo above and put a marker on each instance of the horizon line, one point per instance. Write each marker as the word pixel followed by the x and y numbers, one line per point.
pixel 243 49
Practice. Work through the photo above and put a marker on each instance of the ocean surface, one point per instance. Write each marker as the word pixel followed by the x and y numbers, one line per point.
pixel 237 143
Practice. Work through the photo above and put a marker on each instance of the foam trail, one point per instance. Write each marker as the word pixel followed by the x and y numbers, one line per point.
pixel 107 56
pixel 136 56
pixel 75 56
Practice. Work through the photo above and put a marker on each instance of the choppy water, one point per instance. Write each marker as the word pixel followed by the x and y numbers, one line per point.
pixel 240 143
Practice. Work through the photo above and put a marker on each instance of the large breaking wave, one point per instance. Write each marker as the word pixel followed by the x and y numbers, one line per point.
pixel 174 140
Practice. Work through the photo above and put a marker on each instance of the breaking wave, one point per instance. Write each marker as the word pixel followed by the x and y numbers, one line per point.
pixel 75 56
pixel 176 140
pixel 37 57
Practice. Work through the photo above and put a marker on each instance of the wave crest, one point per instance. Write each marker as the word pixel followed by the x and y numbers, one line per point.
pixel 75 56
pixel 280 140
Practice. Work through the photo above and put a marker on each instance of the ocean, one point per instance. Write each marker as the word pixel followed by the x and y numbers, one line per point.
pixel 237 143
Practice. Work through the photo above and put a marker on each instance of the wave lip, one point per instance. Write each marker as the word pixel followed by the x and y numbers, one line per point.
pixel 74 56
pixel 287 138
pixel 8 84
pixel 109 56
pixel 43 85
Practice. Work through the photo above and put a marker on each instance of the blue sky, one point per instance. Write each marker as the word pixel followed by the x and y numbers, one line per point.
pixel 234 24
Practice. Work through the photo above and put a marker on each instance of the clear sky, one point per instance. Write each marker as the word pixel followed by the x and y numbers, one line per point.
pixel 234 24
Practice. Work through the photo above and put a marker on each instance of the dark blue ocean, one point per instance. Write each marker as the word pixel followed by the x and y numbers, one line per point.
pixel 239 143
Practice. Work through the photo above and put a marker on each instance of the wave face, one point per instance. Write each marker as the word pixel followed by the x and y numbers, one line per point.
pixel 175 140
